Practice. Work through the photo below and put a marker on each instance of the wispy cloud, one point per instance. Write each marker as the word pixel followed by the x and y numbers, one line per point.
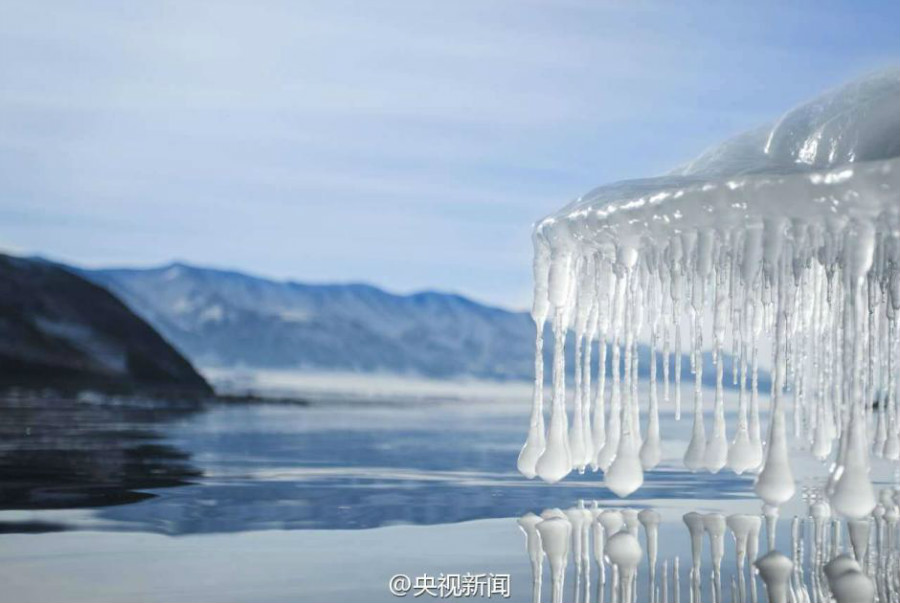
pixel 405 143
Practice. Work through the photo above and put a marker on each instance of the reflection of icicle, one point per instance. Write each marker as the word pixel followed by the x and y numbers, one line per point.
pixel 694 523
pixel 528 523
pixel 580 519
pixel 555 533
pixel 597 543
pixel 752 554
pixel 741 527
pixel 827 574
pixel 714 524
pixel 650 520
pixel 775 570
pixel 624 551
pixel 858 530
pixel 847 581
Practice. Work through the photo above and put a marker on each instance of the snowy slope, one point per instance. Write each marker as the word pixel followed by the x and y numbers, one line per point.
pixel 221 318
pixel 228 320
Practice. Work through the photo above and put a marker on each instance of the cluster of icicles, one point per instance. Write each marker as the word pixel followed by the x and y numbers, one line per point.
pixel 818 569
pixel 825 294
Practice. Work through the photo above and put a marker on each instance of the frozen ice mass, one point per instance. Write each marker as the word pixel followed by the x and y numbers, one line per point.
pixel 820 565
pixel 784 242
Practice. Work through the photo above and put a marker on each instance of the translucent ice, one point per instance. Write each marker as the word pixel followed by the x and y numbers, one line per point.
pixel 786 238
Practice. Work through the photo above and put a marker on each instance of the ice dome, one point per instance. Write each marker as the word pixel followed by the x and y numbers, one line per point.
pixel 857 122
pixel 818 158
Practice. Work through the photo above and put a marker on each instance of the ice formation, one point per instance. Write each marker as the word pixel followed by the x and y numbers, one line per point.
pixel 815 566
pixel 786 238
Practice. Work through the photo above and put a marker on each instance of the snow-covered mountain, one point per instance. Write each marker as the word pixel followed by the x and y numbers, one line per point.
pixel 228 319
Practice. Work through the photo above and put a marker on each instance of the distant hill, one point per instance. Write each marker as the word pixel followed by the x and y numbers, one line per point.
pixel 228 319
pixel 59 330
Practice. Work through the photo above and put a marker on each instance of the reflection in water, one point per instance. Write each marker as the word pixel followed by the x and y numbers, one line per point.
pixel 60 453
pixel 243 467
pixel 816 566
pixel 528 523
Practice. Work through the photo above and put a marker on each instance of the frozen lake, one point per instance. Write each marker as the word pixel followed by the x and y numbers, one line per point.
pixel 276 502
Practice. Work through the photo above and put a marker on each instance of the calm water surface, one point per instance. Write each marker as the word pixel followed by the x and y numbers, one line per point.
pixel 275 502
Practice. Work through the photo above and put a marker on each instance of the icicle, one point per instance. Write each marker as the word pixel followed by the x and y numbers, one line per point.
pixel 613 431
pixel 576 432
pixel 741 455
pixel 695 455
pixel 769 261
pixel 775 483
pixel 625 474
pixel 556 461
pixel 536 442
pixel 892 401
pixel 851 490
pixel 636 325
pixel 755 426
pixel 664 317
pixel 651 449
pixel 587 399
pixel 676 290
pixel 599 423
pixel 716 454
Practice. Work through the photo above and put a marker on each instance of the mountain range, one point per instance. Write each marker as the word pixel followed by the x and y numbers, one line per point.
pixel 227 319
pixel 220 318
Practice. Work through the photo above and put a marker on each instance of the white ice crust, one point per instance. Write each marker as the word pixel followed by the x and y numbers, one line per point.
pixel 789 234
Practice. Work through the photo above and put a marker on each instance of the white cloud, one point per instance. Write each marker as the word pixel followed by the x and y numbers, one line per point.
pixel 406 143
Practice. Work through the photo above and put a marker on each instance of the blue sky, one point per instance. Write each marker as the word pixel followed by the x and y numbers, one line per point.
pixel 409 144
